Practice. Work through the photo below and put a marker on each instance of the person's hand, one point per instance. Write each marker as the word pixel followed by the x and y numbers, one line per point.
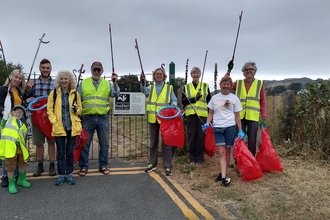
pixel 142 77
pixel 114 77
pixel 241 134
pixel 230 65
pixel 263 123
pixel 205 126
pixel 198 96
pixel 29 85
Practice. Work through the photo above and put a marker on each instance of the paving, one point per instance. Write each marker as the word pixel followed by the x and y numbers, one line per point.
pixel 127 193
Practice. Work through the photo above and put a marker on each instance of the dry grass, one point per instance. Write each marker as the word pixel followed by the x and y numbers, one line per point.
pixel 302 191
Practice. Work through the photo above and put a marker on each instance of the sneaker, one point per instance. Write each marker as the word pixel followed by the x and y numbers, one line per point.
pixel 40 169
pixel 198 164
pixel 225 181
pixel 219 178
pixel 150 168
pixel 70 180
pixel 168 171
pixel 59 181
pixel 4 181
pixel 52 171
pixel 192 164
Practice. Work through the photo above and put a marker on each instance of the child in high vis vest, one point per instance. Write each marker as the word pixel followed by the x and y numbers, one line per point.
pixel 12 144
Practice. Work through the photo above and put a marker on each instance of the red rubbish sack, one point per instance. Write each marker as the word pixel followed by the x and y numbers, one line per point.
pixel 209 142
pixel 80 141
pixel 40 117
pixel 267 156
pixel 246 162
pixel 171 126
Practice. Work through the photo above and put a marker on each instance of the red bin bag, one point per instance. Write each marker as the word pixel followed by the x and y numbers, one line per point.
pixel 267 156
pixel 171 126
pixel 209 142
pixel 246 162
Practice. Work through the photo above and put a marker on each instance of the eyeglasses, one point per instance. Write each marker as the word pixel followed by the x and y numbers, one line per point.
pixel 249 69
pixel 96 70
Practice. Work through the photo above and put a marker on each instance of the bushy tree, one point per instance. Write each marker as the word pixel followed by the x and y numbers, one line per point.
pixel 129 83
pixel 295 87
pixel 276 90
pixel 310 119
pixel 10 68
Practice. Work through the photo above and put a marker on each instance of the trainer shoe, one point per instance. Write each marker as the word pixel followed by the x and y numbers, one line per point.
pixel 219 178
pixel 40 169
pixel 168 171
pixel 59 181
pixel 150 168
pixel 70 180
pixel 225 181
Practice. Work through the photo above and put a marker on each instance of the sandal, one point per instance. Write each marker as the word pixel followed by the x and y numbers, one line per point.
pixel 82 172
pixel 104 170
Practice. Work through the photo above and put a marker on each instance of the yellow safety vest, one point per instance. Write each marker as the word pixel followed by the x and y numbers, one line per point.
pixel 201 105
pixel 155 102
pixel 250 101
pixel 95 102
pixel 12 133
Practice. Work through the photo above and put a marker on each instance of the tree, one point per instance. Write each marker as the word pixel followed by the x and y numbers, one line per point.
pixel 179 84
pixel 10 67
pixel 276 90
pixel 129 83
pixel 296 87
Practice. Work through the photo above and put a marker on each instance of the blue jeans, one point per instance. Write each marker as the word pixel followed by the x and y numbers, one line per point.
pixel 4 171
pixel 64 145
pixel 100 123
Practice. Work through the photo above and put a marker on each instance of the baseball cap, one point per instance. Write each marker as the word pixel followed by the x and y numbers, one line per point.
pixel 97 64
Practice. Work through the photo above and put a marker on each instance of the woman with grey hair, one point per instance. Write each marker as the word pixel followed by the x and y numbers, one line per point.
pixel 252 94
pixel 195 98
pixel 17 82
pixel 160 94
pixel 63 110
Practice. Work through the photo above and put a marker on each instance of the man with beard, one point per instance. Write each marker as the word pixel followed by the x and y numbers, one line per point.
pixel 35 88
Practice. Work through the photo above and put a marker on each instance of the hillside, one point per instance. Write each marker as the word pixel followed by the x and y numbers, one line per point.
pixel 286 82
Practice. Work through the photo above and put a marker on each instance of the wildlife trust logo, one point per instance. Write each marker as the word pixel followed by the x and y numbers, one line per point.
pixel 123 102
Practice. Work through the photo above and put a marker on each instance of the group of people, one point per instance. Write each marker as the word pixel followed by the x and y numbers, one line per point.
pixel 229 114
pixel 69 109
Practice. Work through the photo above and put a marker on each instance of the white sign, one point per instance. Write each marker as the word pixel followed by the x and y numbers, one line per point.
pixel 130 104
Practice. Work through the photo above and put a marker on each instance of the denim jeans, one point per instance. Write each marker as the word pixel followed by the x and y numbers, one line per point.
pixel 100 123
pixel 4 171
pixel 64 146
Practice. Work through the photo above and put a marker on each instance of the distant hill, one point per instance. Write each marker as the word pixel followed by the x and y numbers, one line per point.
pixel 286 82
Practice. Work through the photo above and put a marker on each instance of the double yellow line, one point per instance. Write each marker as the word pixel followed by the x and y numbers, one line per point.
pixel 190 214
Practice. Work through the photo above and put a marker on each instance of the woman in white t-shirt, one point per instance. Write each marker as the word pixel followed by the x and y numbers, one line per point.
pixel 224 115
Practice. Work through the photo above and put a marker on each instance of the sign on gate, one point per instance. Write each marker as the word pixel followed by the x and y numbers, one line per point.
pixel 129 104
pixel 29 122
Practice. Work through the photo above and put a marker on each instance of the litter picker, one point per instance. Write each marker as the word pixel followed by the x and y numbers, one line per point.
pixel 35 56
pixel 111 50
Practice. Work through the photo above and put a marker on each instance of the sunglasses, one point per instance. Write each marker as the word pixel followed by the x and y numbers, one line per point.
pixel 97 70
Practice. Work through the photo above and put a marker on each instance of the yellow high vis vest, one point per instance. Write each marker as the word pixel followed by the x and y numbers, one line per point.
pixel 12 133
pixel 95 102
pixel 250 101
pixel 201 105
pixel 155 102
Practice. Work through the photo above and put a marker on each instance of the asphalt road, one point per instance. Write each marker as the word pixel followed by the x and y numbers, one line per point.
pixel 127 193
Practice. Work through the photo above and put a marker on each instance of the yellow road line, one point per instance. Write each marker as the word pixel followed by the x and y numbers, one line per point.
pixel 192 201
pixel 186 211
